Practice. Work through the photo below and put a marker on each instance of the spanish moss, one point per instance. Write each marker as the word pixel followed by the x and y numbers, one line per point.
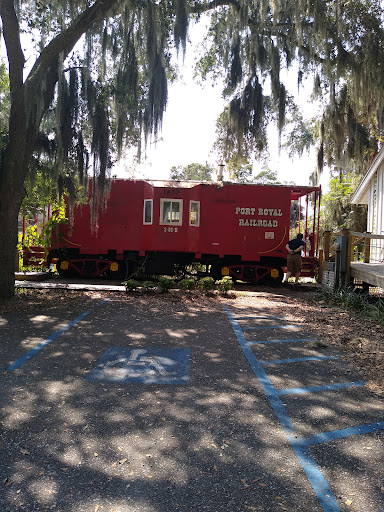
pixel 180 30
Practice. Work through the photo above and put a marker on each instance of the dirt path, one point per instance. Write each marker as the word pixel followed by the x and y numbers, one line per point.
pixel 224 442
pixel 361 339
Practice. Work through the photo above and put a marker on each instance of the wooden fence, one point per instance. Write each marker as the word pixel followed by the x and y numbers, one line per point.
pixel 342 250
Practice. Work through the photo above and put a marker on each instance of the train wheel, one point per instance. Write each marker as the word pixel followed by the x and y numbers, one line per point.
pixel 63 268
pixel 215 271
pixel 275 275
pixel 115 271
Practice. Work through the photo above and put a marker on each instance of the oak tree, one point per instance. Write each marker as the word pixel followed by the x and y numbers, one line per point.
pixel 95 79
pixel 195 172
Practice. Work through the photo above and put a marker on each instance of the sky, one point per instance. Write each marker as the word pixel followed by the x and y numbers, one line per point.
pixel 189 126
pixel 188 130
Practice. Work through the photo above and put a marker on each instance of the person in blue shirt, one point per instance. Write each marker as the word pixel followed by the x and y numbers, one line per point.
pixel 294 262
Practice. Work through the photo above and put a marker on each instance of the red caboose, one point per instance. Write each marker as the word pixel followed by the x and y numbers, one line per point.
pixel 161 227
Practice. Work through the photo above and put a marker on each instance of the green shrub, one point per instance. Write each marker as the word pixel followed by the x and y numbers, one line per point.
pixel 187 284
pixel 206 285
pixel 225 284
pixel 148 286
pixel 131 285
pixel 350 300
pixel 165 284
pixel 32 268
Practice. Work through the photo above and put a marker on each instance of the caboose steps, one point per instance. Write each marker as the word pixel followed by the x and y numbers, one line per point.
pixel 309 269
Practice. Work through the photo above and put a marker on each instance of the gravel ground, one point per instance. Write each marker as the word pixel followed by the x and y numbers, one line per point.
pixel 360 338
pixel 215 445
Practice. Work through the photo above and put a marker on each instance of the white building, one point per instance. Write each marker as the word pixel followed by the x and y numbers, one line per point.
pixel 371 192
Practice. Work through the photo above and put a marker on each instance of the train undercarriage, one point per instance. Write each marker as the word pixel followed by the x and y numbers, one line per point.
pixel 69 263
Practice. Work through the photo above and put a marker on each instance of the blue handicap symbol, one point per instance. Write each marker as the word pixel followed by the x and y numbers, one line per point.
pixel 142 365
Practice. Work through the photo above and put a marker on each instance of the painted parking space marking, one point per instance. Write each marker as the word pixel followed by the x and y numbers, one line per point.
pixel 292 340
pixel 51 338
pixel 142 365
pixel 314 475
pixel 318 389
pixel 299 444
pixel 260 318
pixel 343 433
pixel 262 327
pixel 299 359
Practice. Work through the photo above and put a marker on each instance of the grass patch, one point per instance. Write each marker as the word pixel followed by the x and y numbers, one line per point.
pixel 347 298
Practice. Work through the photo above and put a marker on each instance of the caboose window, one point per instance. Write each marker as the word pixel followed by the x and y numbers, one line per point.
pixel 171 212
pixel 148 211
pixel 194 213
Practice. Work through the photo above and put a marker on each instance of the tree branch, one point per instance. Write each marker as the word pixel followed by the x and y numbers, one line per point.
pixel 66 40
pixel 11 34
pixel 205 7
pixel 44 75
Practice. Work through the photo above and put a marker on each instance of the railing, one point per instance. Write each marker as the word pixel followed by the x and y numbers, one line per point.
pixel 34 256
pixel 367 248
pixel 340 249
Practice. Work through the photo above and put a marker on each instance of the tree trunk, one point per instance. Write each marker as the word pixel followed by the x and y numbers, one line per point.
pixel 13 170
pixel 29 102
pixel 10 201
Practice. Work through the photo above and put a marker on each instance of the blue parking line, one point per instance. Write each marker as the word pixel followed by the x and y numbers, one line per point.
pixel 298 359
pixel 342 433
pixel 260 318
pixel 326 387
pixel 309 465
pixel 294 340
pixel 51 338
pixel 257 327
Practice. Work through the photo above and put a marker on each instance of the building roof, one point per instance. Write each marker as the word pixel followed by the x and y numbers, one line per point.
pixel 361 193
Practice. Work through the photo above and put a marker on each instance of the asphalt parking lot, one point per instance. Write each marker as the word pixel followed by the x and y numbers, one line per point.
pixel 116 405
